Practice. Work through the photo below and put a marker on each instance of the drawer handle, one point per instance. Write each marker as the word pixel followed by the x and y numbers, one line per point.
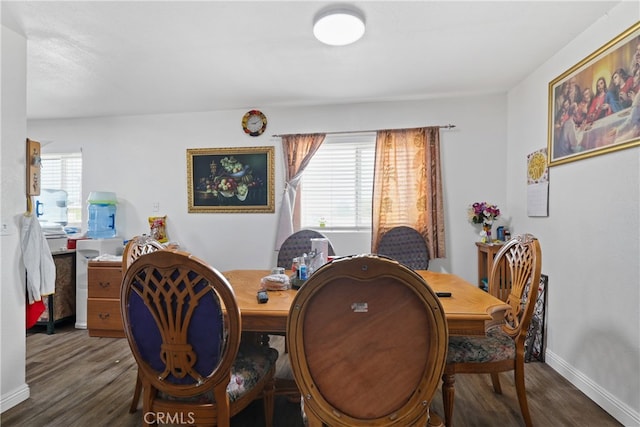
pixel 105 285
pixel 103 316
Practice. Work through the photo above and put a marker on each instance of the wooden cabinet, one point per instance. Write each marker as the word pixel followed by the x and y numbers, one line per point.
pixel 103 306
pixel 62 304
pixel 486 254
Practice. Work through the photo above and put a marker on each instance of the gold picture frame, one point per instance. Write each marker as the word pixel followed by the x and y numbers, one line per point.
pixel 231 180
pixel 594 107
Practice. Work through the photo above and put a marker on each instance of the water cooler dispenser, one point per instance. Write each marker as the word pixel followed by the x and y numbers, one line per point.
pixel 51 207
pixel 101 231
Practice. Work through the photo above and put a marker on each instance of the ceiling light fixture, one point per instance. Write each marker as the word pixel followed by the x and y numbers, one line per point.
pixel 339 26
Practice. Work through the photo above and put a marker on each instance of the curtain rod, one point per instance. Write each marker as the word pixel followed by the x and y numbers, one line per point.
pixel 449 126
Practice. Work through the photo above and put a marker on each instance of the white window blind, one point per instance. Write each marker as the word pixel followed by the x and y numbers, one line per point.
pixel 64 172
pixel 337 185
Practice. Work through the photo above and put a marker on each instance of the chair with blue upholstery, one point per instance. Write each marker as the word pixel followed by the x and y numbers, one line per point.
pixel 406 245
pixel 367 344
pixel 297 244
pixel 502 348
pixel 135 248
pixel 183 326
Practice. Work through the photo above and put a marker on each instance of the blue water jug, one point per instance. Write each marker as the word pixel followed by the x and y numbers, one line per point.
pixel 102 215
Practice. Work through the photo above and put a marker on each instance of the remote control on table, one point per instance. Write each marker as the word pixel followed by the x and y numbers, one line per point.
pixel 263 297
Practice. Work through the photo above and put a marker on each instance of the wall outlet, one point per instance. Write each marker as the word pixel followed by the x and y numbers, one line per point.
pixel 5 230
pixel 156 207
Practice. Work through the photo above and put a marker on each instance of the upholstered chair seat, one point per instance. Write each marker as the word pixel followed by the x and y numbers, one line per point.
pixel 251 365
pixel 492 347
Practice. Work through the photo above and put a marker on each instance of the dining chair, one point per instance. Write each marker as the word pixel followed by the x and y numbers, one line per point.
pixel 297 244
pixel 183 326
pixel 138 246
pixel 135 248
pixel 405 245
pixel 502 348
pixel 367 344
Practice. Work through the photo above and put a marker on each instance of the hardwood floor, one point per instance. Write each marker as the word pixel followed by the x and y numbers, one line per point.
pixel 77 380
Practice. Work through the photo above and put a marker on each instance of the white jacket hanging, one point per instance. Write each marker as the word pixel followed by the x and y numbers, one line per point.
pixel 37 258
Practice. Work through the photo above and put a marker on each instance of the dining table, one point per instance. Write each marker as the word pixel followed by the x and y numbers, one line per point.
pixel 468 310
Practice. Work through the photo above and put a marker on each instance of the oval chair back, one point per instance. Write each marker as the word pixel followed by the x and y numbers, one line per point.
pixel 367 343
pixel 183 326
pixel 296 245
pixel 135 248
pixel 138 246
pixel 406 245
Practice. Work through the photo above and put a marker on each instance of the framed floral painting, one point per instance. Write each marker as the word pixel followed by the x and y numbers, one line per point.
pixel 234 180
pixel 594 107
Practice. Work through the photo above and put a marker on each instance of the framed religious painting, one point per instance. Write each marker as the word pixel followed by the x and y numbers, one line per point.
pixel 233 180
pixel 594 107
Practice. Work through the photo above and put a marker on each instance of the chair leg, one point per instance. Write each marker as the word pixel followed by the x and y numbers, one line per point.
pixel 147 398
pixel 434 420
pixel 268 401
pixel 136 395
pixel 522 393
pixel 495 380
pixel 448 394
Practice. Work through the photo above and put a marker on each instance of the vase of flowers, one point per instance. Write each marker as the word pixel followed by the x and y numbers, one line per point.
pixel 484 213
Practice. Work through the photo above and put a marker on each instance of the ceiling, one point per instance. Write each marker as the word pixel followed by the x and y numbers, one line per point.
pixel 87 59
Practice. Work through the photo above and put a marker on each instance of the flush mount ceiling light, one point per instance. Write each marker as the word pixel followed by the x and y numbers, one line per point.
pixel 339 26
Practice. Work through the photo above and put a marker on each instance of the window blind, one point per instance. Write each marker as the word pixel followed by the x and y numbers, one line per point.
pixel 336 187
pixel 64 172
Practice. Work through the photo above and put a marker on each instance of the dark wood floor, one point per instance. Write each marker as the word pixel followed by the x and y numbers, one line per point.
pixel 77 380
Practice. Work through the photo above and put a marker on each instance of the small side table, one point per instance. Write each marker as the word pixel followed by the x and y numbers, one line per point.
pixel 486 254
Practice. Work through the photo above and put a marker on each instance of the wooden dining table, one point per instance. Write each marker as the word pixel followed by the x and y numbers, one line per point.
pixel 468 310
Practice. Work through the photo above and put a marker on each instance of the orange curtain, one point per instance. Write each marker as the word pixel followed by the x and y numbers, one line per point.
pixel 298 150
pixel 407 186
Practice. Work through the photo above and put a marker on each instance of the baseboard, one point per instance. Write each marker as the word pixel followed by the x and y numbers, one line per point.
pixel 11 399
pixel 624 414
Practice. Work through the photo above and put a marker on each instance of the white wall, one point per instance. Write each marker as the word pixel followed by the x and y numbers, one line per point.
pixel 13 388
pixel 143 159
pixel 591 256
pixel 590 241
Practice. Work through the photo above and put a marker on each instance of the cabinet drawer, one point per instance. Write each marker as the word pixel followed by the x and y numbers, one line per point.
pixel 104 314
pixel 104 282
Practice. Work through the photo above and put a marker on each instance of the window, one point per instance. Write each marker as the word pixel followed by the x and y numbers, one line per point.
pixel 337 185
pixel 64 172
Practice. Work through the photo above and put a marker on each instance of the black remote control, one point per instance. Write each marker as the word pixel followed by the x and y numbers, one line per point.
pixel 262 297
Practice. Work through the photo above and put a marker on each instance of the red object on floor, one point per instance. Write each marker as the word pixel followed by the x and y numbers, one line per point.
pixel 33 313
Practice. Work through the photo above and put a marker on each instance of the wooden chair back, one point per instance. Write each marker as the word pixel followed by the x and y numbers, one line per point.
pixel 138 246
pixel 183 326
pixel 367 343
pixel 521 257
pixel 297 244
pixel 406 245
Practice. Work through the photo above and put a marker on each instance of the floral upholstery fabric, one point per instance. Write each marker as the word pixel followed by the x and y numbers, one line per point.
pixel 251 365
pixel 493 347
